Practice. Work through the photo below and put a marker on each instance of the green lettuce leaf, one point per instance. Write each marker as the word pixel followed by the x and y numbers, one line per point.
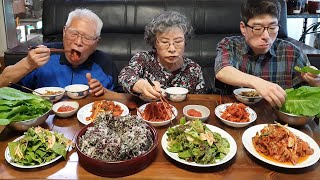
pixel 306 69
pixel 19 106
pixel 302 101
pixel 14 94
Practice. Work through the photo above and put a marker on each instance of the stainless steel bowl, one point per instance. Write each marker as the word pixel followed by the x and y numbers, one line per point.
pixel 2 128
pixel 26 124
pixel 292 119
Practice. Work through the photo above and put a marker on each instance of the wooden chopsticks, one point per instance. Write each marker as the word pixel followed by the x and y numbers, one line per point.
pixel 164 101
pixel 52 49
pixel 25 88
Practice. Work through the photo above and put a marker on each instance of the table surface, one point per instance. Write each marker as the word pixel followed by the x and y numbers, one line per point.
pixel 243 165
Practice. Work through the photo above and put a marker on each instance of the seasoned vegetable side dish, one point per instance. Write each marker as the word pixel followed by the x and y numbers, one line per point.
pixel 236 113
pixel 104 106
pixel 116 138
pixel 38 146
pixel 157 111
pixel 249 93
pixel 279 143
pixel 195 142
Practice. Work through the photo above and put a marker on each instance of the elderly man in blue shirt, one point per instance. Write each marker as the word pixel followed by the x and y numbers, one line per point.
pixel 81 63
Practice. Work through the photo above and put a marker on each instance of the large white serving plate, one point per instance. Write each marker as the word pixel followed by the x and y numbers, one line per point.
pixel 10 160
pixel 251 132
pixel 228 157
pixel 85 112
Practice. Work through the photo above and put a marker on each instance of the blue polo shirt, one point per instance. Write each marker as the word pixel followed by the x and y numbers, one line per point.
pixel 59 72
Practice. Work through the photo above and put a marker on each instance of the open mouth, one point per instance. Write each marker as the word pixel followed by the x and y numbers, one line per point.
pixel 75 55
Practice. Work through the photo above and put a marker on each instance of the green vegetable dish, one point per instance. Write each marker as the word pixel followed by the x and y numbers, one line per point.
pixel 38 146
pixel 195 142
pixel 19 106
pixel 302 101
pixel 307 69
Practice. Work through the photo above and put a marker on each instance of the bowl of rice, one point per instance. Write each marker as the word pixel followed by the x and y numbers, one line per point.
pixel 116 146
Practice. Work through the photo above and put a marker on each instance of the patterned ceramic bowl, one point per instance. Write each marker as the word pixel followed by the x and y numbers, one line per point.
pixel 77 91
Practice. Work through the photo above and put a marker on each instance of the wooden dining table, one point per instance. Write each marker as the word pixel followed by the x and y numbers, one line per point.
pixel 242 166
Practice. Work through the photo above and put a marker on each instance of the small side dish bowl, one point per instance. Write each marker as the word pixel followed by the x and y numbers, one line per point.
pixel 292 119
pixel 77 91
pixel 157 123
pixel 176 94
pixel 205 112
pixel 249 100
pixel 65 108
pixel 26 124
pixel 116 168
pixel 221 108
pixel 53 94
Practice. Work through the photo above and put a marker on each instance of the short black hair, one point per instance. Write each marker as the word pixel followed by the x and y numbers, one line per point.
pixel 253 8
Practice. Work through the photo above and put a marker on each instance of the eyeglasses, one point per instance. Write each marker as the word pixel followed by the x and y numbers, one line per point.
pixel 258 30
pixel 179 44
pixel 73 34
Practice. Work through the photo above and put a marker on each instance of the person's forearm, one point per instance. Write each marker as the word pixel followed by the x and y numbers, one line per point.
pixel 232 76
pixel 15 73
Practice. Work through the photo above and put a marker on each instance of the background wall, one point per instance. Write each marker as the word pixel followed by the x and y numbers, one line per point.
pixel 3 42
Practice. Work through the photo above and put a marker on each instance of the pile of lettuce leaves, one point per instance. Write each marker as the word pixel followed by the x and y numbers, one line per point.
pixel 16 106
pixel 304 100
pixel 195 142
pixel 38 146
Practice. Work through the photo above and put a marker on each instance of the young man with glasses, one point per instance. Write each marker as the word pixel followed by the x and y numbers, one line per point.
pixel 81 63
pixel 165 65
pixel 258 59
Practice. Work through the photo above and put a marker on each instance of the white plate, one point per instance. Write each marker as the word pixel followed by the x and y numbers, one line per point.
pixel 154 123
pixel 85 111
pixel 221 108
pixel 229 156
pixel 251 132
pixel 10 160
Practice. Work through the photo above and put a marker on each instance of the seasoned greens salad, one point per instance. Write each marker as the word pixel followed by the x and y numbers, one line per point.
pixel 19 106
pixel 195 142
pixel 38 146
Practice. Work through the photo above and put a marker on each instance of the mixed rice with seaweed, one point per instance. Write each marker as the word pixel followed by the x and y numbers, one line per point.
pixel 116 138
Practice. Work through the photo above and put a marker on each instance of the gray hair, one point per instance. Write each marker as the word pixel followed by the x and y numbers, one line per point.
pixel 164 22
pixel 88 14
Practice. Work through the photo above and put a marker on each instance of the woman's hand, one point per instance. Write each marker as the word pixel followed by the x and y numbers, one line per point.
pixel 146 90
pixel 96 87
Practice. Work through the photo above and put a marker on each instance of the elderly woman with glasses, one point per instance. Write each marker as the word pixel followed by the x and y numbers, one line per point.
pixel 165 65
pixel 258 59
pixel 81 63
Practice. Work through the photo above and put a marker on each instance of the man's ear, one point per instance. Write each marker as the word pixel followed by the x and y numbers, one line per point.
pixel 243 28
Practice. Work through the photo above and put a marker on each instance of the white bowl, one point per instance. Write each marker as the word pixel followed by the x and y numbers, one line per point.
pixel 246 99
pixel 176 94
pixel 205 112
pixel 77 91
pixel 53 94
pixel 157 123
pixel 221 108
pixel 73 104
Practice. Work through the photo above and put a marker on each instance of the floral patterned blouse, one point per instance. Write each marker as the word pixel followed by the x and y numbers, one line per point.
pixel 145 64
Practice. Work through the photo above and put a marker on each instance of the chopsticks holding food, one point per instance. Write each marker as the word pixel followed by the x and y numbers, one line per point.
pixel 164 101
pixel 52 49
